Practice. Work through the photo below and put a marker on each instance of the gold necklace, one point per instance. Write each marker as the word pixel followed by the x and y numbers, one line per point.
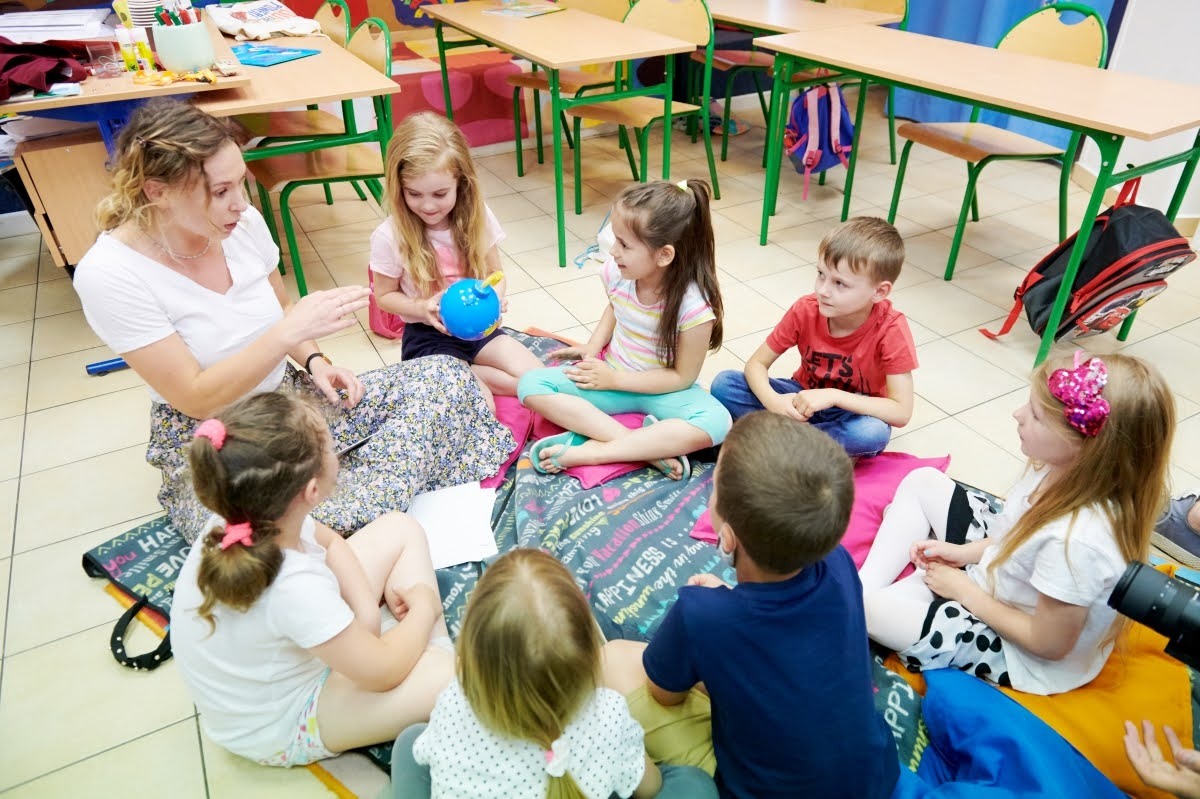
pixel 178 256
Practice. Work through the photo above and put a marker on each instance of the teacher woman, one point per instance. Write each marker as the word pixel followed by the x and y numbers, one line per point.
pixel 182 284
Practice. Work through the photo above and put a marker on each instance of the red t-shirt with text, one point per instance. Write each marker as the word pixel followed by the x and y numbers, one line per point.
pixel 858 363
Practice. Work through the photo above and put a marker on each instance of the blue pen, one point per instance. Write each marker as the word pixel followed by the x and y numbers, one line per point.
pixel 104 367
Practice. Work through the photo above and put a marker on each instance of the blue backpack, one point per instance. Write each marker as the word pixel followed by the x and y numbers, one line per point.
pixel 819 131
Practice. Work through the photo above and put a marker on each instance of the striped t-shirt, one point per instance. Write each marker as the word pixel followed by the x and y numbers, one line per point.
pixel 634 344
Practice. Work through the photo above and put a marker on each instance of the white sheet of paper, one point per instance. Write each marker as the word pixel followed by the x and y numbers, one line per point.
pixel 457 522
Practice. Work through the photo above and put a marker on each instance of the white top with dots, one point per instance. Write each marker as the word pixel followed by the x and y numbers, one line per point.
pixel 604 750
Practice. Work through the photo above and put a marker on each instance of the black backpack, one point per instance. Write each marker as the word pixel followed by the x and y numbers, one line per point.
pixel 1129 251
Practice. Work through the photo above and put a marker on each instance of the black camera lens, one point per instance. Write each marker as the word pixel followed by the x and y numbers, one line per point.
pixel 1166 605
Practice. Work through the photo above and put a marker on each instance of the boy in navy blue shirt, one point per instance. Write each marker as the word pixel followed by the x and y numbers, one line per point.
pixel 783 655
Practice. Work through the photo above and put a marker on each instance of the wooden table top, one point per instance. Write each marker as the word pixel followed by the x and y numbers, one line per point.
pixel 561 40
pixel 1080 97
pixel 787 16
pixel 122 87
pixel 333 74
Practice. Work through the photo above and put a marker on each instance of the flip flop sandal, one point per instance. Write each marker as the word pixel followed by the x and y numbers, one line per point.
pixel 736 126
pixel 565 440
pixel 662 465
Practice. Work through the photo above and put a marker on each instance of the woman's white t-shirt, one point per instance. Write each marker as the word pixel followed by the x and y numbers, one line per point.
pixel 132 301
pixel 252 676
pixel 1077 562
pixel 603 746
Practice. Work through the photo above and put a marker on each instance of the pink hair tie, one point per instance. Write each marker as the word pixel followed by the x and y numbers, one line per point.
pixel 214 431
pixel 1078 389
pixel 239 533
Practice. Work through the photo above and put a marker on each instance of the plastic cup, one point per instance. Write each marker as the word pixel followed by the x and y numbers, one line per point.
pixel 184 48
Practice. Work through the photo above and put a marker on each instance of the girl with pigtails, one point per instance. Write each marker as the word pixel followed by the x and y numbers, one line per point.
pixel 276 620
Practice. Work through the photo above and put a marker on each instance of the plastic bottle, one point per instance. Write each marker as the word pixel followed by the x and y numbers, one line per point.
pixel 141 45
pixel 128 54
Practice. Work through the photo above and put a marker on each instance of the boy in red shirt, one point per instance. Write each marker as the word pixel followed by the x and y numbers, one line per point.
pixel 855 377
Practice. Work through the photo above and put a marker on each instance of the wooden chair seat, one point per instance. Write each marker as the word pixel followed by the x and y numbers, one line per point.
pixel 291 124
pixel 358 161
pixel 974 141
pixel 569 81
pixel 726 60
pixel 637 112
pixel 805 75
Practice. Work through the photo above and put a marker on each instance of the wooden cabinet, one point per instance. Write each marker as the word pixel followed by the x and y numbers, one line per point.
pixel 65 172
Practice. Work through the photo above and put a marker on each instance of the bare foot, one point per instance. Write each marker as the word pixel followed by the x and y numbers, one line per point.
pixel 557 458
pixel 674 468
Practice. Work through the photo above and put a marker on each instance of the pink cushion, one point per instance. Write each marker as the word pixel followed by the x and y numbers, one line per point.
pixel 592 476
pixel 519 421
pixel 875 482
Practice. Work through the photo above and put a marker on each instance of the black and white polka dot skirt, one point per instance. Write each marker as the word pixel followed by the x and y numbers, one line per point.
pixel 951 637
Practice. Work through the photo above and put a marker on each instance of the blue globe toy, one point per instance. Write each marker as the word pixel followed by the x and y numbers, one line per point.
pixel 471 308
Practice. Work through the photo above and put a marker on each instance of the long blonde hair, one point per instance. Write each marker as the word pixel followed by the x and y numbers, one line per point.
pixel 1122 470
pixel 167 141
pixel 274 444
pixel 529 653
pixel 423 143
pixel 662 213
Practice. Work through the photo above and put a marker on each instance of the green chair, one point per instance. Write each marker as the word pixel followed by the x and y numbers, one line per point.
pixel 1044 34
pixel 311 125
pixel 570 81
pixel 684 19
pixel 360 160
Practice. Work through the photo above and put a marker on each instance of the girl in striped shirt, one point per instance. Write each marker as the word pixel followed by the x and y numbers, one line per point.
pixel 664 314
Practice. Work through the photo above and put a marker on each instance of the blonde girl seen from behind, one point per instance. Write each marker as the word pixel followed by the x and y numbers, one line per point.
pixel 664 313
pixel 1022 595
pixel 527 716
pixel 276 622
pixel 440 230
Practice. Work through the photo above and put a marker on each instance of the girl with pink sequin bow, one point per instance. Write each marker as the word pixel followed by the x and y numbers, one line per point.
pixel 1019 596
pixel 276 621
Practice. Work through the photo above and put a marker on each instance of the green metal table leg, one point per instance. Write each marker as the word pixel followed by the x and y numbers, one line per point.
pixel 783 78
pixel 858 118
pixel 437 28
pixel 1110 146
pixel 1064 182
pixel 555 111
pixel 667 102
pixel 1181 187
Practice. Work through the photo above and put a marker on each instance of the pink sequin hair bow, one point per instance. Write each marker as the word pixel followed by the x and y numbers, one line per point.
pixel 1078 389
pixel 214 431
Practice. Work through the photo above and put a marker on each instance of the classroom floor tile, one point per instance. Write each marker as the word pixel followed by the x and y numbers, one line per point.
pixel 72 468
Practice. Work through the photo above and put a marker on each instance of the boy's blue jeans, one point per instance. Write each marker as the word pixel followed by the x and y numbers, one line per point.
pixel 410 780
pixel 859 435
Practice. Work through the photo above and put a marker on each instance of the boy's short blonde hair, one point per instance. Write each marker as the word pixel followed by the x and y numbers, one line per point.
pixel 866 244
pixel 786 489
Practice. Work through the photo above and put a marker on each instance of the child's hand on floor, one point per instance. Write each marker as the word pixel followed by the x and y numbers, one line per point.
pixel 1181 778
pixel 707 581
pixel 923 553
pixel 593 374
